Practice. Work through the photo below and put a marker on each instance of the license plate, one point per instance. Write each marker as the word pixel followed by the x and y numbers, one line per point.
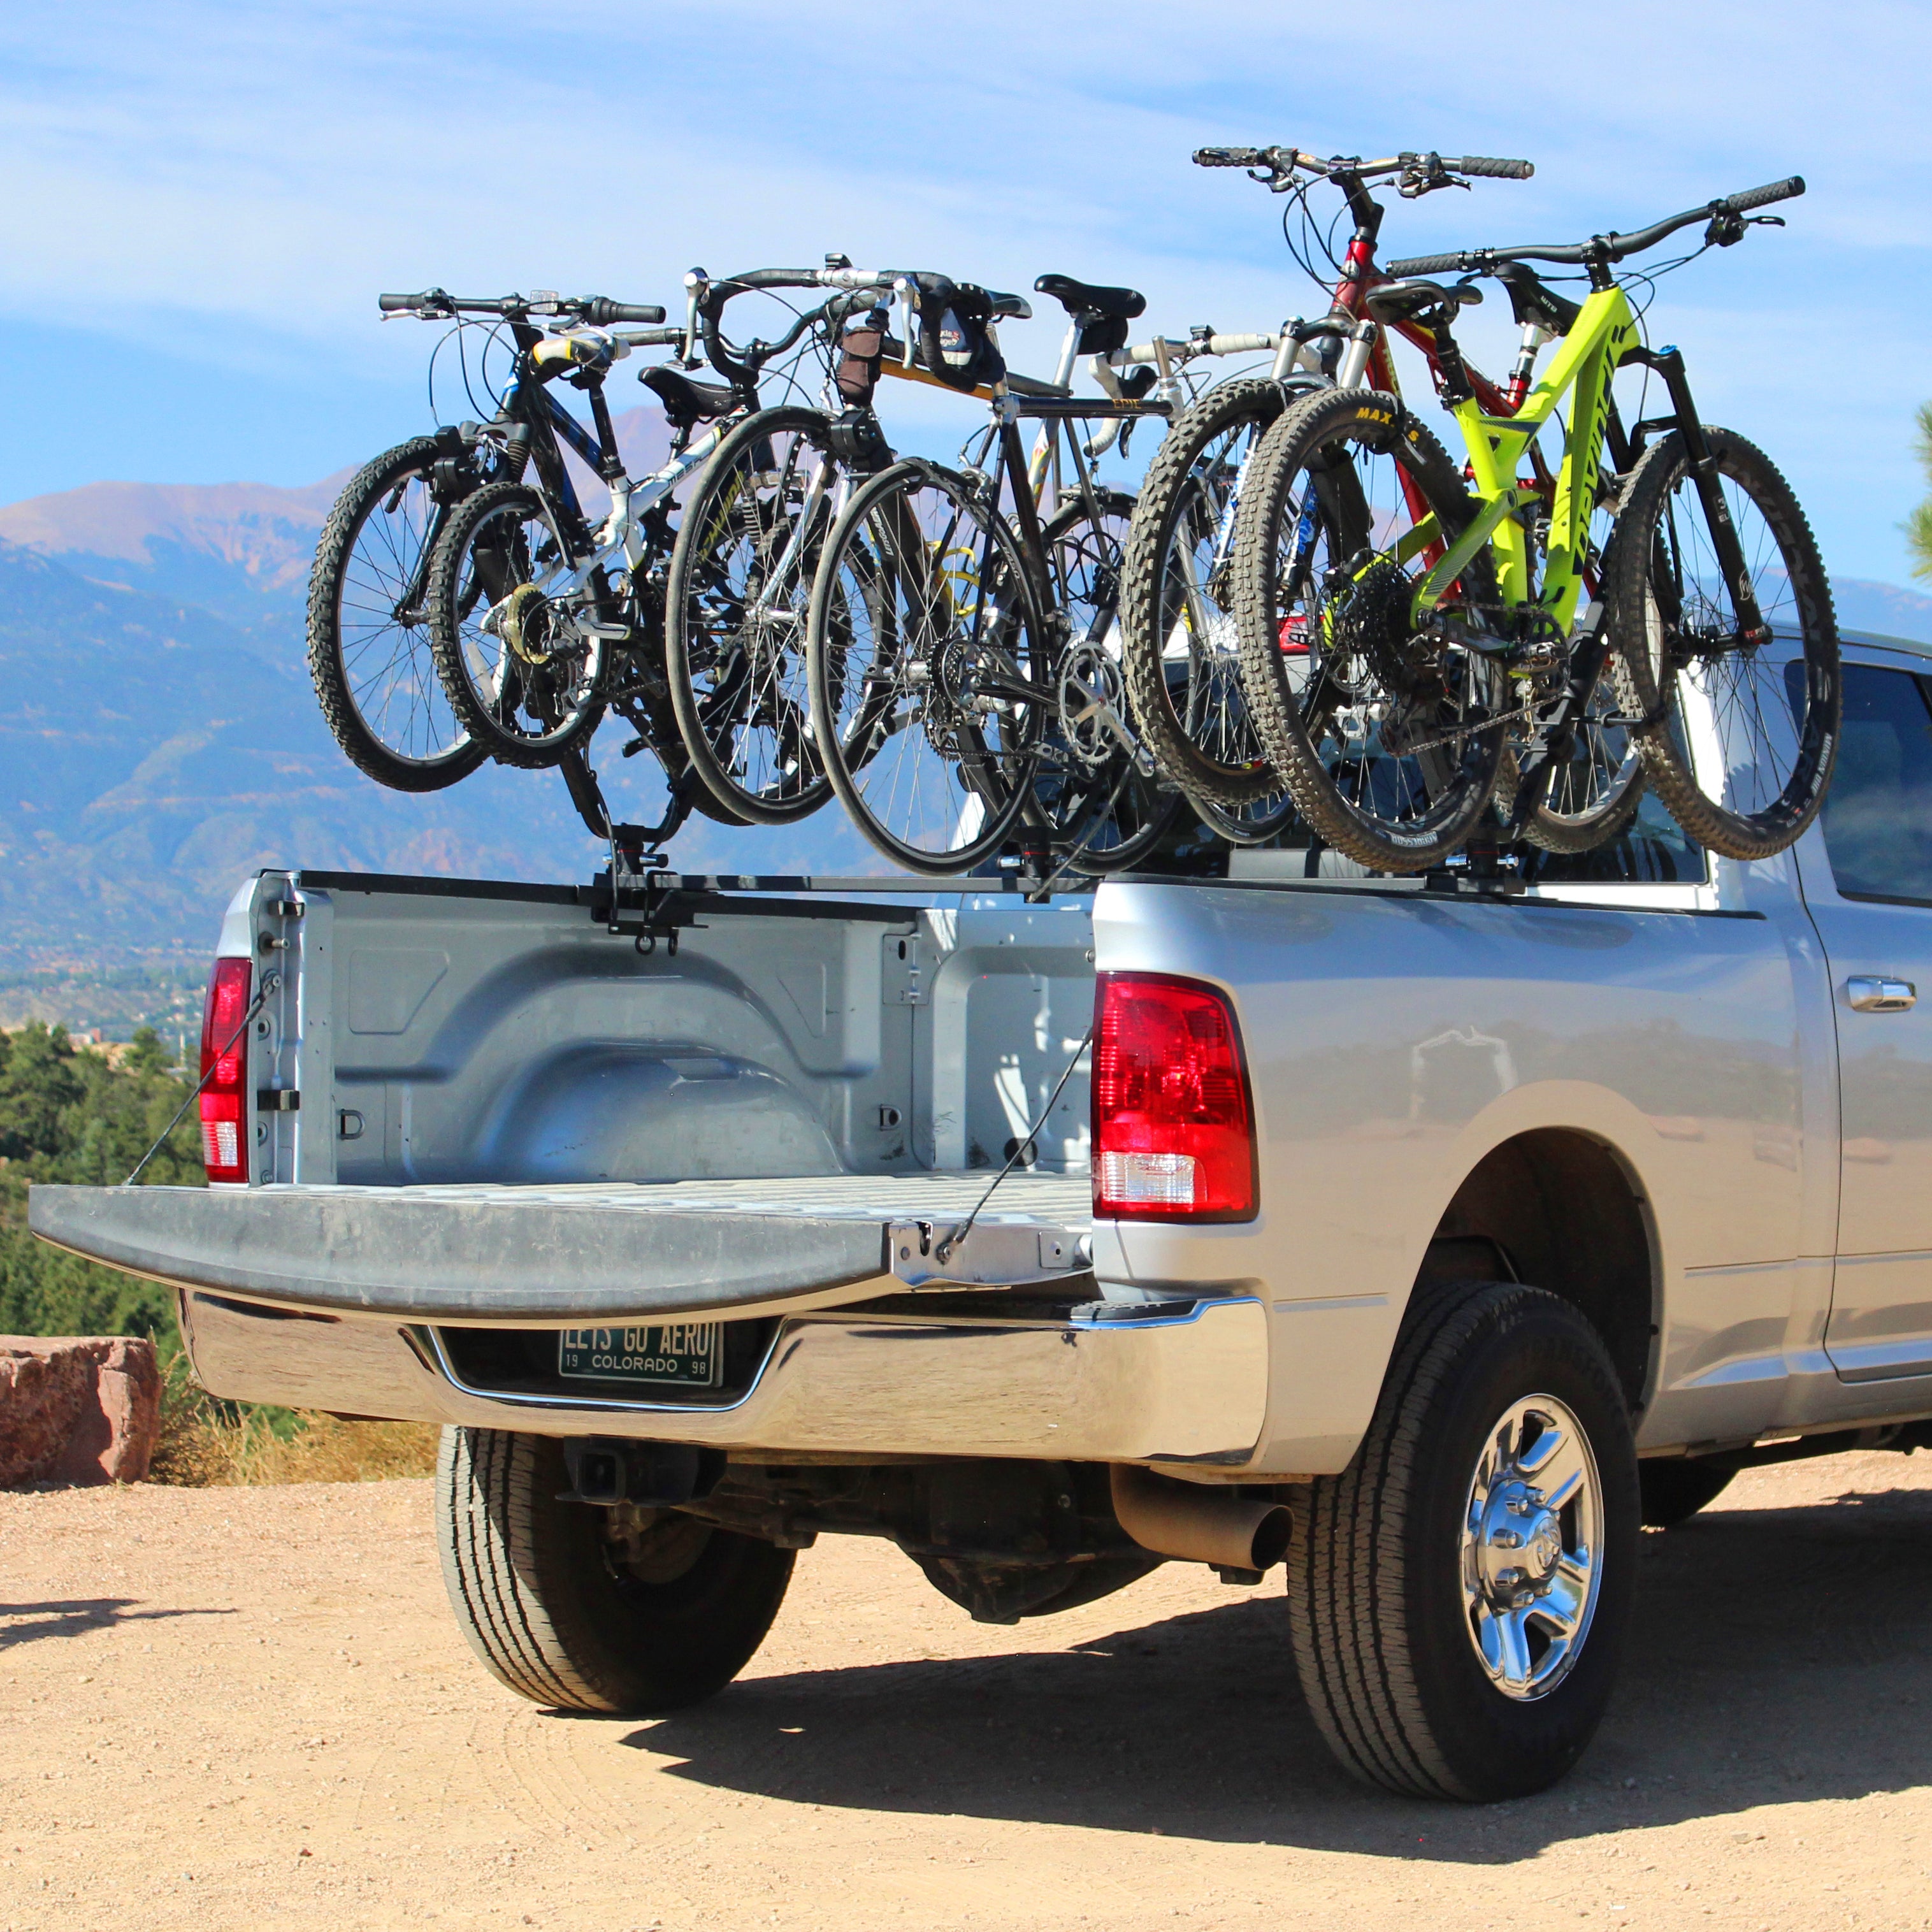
pixel 681 1355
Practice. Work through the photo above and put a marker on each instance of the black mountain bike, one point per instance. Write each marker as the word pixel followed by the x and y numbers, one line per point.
pixel 369 648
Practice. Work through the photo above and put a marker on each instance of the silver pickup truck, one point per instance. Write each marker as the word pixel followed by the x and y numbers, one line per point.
pixel 1429 1238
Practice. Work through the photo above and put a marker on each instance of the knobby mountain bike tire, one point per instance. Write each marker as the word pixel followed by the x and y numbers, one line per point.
pixel 529 690
pixel 1675 632
pixel 1383 736
pixel 737 604
pixel 370 652
pixel 1181 653
pixel 921 607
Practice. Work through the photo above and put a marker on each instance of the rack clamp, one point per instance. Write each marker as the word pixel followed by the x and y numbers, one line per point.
pixel 650 906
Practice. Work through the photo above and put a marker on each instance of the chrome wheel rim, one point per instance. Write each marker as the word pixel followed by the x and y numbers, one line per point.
pixel 1532 1547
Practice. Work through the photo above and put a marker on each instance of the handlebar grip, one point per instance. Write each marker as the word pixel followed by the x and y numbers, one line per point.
pixel 1426 265
pixel 777 278
pixel 651 338
pixel 402 304
pixel 1494 170
pixel 600 310
pixel 1787 190
pixel 1229 157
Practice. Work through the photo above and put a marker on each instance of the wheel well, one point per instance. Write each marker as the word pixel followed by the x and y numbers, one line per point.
pixel 1560 1211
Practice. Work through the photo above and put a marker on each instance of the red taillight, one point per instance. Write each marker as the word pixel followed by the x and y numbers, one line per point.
pixel 1174 1134
pixel 1292 635
pixel 224 1066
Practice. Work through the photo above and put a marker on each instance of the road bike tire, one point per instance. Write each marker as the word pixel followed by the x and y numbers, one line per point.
pixel 1334 467
pixel 894 650
pixel 1196 723
pixel 526 707
pixel 372 665
pixel 1107 815
pixel 1666 595
pixel 741 699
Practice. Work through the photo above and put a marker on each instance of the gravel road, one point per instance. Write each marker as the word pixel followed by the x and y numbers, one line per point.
pixel 251 1708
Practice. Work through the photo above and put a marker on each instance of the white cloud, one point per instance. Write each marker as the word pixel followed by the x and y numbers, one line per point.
pixel 223 180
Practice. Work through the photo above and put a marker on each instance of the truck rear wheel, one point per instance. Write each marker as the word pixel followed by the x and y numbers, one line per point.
pixel 1458 1595
pixel 569 1615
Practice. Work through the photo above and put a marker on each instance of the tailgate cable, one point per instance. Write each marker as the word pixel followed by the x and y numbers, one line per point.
pixel 271 980
pixel 944 1251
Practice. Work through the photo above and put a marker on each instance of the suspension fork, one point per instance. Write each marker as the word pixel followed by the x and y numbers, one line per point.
pixel 1669 363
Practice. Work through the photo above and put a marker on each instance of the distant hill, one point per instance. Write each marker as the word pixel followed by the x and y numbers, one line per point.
pixel 153 753
pixel 1887 608
pixel 241 550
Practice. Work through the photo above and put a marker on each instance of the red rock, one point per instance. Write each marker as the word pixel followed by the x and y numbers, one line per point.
pixel 82 1410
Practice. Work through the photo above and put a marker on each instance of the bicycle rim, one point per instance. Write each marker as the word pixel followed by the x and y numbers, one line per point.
pixel 737 606
pixel 922 626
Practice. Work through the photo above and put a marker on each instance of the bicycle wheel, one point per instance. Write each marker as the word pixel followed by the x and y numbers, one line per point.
pixel 369 649
pixel 1385 733
pixel 922 655
pixel 1182 653
pixel 1592 797
pixel 519 671
pixel 736 605
pixel 1688 673
pixel 1104 812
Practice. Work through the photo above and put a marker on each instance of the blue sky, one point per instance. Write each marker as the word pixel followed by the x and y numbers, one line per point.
pixel 203 199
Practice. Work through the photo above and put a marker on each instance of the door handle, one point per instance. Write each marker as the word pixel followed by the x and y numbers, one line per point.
pixel 1874 995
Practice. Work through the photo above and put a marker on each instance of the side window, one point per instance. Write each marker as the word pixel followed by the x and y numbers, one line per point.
pixel 1651 850
pixel 1878 813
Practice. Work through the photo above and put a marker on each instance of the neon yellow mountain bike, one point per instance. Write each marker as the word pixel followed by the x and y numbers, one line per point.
pixel 1417 643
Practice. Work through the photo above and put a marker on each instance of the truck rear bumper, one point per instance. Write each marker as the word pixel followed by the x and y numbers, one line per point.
pixel 1190 1386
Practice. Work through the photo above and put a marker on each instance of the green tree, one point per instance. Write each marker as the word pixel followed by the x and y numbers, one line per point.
pixel 1918 525
pixel 69 1114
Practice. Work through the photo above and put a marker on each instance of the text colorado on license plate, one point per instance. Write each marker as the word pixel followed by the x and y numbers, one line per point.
pixel 685 1353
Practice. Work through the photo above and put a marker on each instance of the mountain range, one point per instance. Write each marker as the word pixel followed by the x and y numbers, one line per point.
pixel 159 739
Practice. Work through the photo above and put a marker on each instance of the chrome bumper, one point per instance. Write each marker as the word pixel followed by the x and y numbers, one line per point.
pixel 1189 1388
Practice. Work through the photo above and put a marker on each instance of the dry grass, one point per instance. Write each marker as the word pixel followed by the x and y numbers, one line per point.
pixel 206 1444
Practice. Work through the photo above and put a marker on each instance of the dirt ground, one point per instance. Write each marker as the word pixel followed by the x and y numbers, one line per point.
pixel 251 1708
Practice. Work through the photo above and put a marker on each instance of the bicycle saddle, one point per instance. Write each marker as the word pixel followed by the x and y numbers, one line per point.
pixel 1399 302
pixel 1009 308
pixel 686 402
pixel 1084 298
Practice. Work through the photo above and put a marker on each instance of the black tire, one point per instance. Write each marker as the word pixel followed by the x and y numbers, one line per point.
pixel 1195 715
pixel 523 710
pixel 899 658
pixel 1104 814
pixel 558 1612
pixel 369 653
pixel 1675 1488
pixel 744 713
pixel 1332 666
pixel 1671 620
pixel 1383 1630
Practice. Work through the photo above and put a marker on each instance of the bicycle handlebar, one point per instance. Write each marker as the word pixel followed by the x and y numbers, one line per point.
pixel 1286 160
pixel 1604 248
pixel 598 310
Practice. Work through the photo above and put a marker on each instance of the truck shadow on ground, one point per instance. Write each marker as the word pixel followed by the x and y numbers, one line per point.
pixel 76 1616
pixel 1777 1655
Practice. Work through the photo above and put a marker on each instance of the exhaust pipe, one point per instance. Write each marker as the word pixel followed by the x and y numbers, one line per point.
pixel 1199 1524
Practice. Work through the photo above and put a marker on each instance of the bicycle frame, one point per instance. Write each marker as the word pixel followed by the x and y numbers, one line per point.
pixel 1602 335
